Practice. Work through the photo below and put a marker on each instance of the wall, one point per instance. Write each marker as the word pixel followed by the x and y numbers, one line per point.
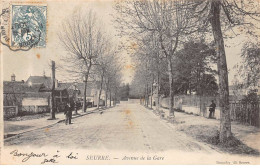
pixel 134 101
pixel 35 102
pixel 192 104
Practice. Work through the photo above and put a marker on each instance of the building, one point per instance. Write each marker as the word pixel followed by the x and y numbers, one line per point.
pixel 93 89
pixel 33 96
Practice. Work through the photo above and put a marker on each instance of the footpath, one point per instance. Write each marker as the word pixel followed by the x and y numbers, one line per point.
pixel 12 128
pixel 200 127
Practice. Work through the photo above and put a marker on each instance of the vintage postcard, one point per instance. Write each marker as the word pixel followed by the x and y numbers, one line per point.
pixel 165 82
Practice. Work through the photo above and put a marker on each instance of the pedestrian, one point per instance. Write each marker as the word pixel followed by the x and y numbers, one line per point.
pixel 68 113
pixel 212 109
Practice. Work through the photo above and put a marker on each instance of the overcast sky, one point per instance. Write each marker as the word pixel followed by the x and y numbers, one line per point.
pixel 37 60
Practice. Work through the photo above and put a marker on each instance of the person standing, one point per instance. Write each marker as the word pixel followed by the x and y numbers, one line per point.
pixel 68 113
pixel 212 108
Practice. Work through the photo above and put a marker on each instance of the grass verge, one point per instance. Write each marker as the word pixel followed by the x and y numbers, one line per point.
pixel 210 135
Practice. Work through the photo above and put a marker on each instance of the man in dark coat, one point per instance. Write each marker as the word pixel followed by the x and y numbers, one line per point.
pixel 68 113
pixel 212 109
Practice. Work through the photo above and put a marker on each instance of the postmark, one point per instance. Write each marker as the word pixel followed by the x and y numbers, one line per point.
pixel 4 28
pixel 28 27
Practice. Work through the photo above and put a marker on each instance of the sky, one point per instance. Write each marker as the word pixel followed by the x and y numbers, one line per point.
pixel 37 60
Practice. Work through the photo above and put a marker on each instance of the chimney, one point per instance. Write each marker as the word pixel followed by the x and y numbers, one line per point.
pixel 13 78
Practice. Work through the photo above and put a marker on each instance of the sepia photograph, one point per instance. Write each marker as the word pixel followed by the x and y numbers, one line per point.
pixel 130 82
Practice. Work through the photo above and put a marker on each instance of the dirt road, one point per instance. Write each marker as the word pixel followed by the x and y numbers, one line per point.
pixel 125 127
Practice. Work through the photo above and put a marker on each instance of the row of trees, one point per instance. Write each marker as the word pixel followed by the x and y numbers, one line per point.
pixel 90 53
pixel 168 24
pixel 193 72
pixel 249 68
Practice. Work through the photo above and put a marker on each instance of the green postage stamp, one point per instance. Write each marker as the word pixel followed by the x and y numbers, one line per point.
pixel 28 26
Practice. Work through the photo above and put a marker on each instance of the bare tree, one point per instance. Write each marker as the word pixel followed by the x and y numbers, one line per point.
pixel 113 77
pixel 169 20
pixel 225 15
pixel 82 38
pixel 104 64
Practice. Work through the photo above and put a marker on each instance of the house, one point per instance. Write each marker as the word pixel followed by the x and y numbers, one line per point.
pixel 61 91
pixel 23 97
pixel 34 94
pixel 92 93
pixel 71 88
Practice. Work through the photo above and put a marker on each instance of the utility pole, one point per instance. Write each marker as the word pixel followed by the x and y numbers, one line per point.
pixel 52 109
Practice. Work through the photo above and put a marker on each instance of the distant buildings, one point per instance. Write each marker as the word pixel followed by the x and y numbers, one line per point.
pixel 33 95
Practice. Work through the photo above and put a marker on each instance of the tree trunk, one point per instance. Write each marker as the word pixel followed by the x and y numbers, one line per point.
pixel 152 94
pixel 147 96
pixel 106 97
pixel 100 91
pixel 84 107
pixel 171 96
pixel 107 92
pixel 110 97
pixel 225 123
pixel 115 99
pixel 158 89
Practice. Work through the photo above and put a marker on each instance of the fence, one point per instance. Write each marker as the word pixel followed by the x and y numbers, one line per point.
pixel 10 111
pixel 241 111
pixel 245 112
pixel 34 109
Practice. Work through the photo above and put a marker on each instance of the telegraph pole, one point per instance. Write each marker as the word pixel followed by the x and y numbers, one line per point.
pixel 52 109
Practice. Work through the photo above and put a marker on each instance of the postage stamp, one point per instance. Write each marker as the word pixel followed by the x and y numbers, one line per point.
pixel 28 27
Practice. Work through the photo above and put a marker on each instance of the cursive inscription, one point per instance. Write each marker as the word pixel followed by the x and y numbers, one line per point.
pixel 26 156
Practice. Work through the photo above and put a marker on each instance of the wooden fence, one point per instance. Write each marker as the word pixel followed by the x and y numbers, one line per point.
pixel 241 111
pixel 245 112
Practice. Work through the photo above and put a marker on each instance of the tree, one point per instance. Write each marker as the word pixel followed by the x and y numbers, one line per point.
pixel 124 92
pixel 107 66
pixel 149 66
pixel 250 69
pixel 103 62
pixel 169 20
pixel 113 79
pixel 192 63
pixel 225 14
pixel 82 38
pixel 173 19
